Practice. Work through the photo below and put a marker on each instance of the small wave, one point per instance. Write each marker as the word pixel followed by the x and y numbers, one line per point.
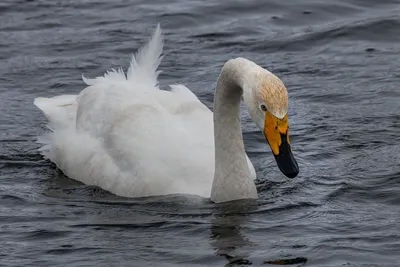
pixel 12 199
pixel 20 160
pixel 63 251
pixel 45 234
pixel 285 208
pixel 213 35
pixel 102 226
pixel 378 30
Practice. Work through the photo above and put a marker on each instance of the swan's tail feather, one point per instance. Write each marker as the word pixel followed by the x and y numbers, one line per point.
pixel 147 59
pixel 112 76
pixel 60 110
pixel 143 65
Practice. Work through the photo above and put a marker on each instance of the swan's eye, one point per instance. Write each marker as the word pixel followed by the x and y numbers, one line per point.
pixel 263 107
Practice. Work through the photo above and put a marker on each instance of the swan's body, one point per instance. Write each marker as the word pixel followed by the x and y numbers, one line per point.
pixel 126 136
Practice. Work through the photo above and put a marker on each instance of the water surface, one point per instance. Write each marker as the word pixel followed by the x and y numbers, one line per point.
pixel 340 62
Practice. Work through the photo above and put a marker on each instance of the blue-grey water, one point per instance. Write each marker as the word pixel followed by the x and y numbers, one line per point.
pixel 340 61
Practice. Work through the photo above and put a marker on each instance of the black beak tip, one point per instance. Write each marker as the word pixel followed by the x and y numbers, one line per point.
pixel 287 164
pixel 293 173
pixel 285 159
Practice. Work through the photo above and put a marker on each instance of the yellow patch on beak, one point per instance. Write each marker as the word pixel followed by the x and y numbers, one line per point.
pixel 274 129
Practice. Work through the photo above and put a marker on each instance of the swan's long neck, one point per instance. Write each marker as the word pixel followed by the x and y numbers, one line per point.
pixel 232 178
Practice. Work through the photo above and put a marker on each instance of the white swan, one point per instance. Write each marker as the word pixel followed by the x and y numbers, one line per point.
pixel 125 135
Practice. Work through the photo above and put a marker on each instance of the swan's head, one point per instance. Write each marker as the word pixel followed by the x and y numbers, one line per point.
pixel 267 101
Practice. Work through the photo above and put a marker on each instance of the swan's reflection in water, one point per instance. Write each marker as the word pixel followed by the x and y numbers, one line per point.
pixel 228 240
pixel 226 236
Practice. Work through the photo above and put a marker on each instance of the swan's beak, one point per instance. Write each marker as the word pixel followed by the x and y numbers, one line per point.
pixel 277 133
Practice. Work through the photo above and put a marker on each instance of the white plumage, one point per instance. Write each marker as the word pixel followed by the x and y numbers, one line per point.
pixel 123 134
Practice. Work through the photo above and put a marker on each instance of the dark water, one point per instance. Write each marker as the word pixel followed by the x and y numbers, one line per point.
pixel 340 61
